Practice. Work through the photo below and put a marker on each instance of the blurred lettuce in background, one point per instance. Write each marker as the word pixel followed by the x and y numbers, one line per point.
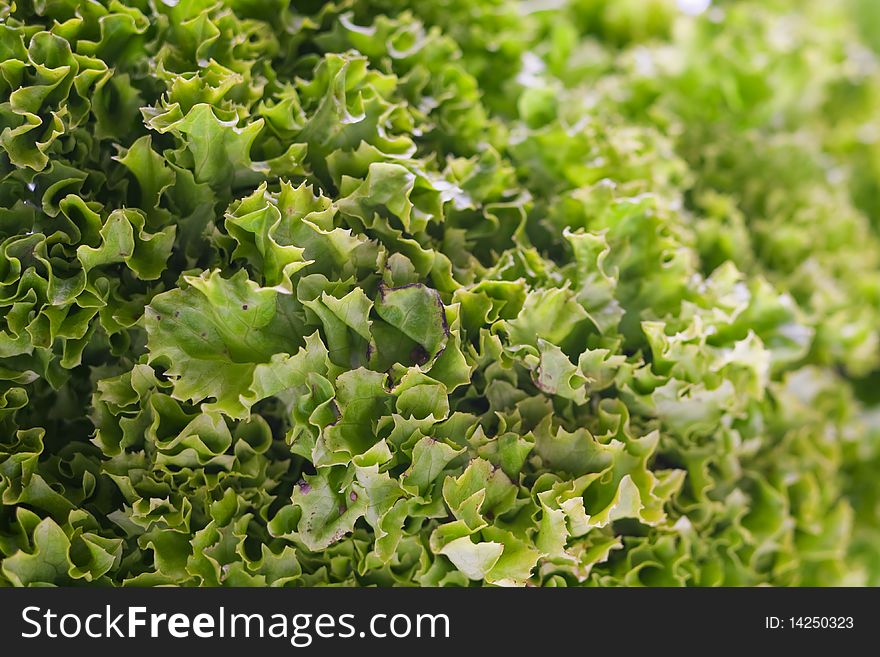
pixel 443 293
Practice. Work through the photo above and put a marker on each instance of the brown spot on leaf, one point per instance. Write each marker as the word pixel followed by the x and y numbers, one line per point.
pixel 418 355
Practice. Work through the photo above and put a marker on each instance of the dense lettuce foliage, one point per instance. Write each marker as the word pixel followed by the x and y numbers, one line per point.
pixel 448 293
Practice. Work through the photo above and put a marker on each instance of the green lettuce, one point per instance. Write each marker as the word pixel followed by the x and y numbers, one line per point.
pixel 455 293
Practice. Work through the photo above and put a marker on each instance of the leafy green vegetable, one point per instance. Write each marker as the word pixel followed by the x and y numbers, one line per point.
pixel 454 293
